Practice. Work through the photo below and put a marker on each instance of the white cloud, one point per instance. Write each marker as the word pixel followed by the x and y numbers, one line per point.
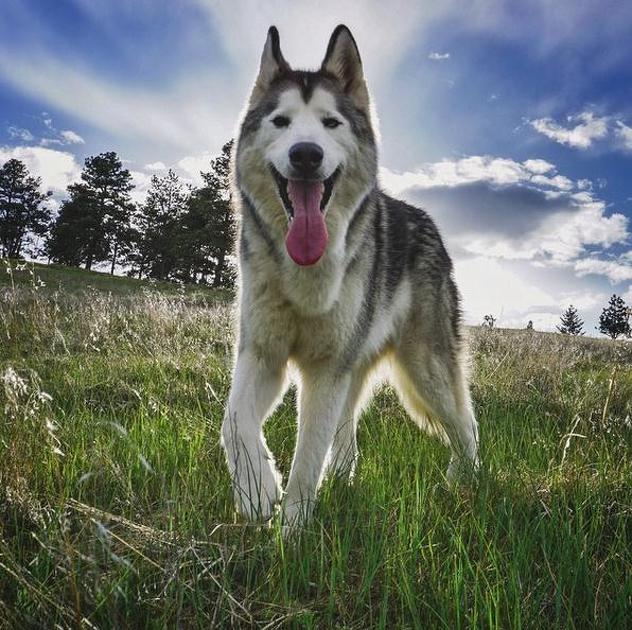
pixel 477 168
pixel 142 183
pixel 18 133
pixel 557 181
pixel 503 209
pixel 615 270
pixel 156 166
pixel 623 133
pixel 559 239
pixel 55 137
pixel 584 300
pixel 447 172
pixel 437 56
pixel 58 169
pixel 564 235
pixel 71 137
pixel 538 166
pixel 489 286
pixel 193 164
pixel 585 129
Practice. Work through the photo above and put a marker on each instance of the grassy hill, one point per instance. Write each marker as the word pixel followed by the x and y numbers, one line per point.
pixel 115 504
pixel 26 275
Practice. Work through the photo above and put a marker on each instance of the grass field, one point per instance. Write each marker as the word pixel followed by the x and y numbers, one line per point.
pixel 115 505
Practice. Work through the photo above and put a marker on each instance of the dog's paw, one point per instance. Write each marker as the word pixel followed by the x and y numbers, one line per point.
pixel 257 509
pixel 294 515
pixel 462 472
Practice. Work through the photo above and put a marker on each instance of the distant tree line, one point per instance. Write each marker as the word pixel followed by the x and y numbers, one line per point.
pixel 614 321
pixel 179 232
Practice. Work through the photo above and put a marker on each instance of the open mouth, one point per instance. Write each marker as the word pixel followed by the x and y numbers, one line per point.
pixel 282 184
pixel 305 202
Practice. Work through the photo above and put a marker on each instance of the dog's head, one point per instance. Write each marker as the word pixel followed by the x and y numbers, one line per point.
pixel 306 146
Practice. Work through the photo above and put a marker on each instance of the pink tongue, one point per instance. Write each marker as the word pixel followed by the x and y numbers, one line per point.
pixel 307 237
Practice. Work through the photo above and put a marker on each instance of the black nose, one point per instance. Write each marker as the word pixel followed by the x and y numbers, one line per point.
pixel 306 158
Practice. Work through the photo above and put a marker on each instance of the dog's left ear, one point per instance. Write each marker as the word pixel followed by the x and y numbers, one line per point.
pixel 272 64
pixel 342 59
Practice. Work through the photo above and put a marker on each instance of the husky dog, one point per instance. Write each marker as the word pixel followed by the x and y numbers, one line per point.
pixel 336 280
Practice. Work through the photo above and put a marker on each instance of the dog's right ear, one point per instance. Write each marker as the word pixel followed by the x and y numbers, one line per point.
pixel 272 64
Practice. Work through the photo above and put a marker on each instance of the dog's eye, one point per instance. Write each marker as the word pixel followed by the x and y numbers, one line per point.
pixel 281 121
pixel 331 123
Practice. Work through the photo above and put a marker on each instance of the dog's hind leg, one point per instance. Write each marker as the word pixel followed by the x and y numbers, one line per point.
pixel 433 388
pixel 256 387
pixel 322 395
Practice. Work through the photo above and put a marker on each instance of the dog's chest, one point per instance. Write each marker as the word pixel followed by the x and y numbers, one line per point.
pixel 281 327
pixel 308 317
pixel 320 339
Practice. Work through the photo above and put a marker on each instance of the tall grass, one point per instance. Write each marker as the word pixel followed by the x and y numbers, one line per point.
pixel 115 505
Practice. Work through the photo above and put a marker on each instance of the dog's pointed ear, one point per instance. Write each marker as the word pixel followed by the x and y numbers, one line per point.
pixel 272 64
pixel 342 60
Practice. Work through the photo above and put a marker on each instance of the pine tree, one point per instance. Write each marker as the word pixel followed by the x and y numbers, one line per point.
pixel 208 227
pixel 21 211
pixel 570 323
pixel 94 224
pixel 224 220
pixel 77 233
pixel 158 226
pixel 614 320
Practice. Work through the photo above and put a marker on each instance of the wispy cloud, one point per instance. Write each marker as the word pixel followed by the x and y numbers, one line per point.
pixel 585 130
pixel 52 135
pixel 581 133
pixel 623 134
pixel 437 56
pixel 197 110
pixel 71 137
pixel 18 133
pixel 188 116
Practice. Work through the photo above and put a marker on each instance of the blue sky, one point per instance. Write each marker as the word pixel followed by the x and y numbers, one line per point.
pixel 510 121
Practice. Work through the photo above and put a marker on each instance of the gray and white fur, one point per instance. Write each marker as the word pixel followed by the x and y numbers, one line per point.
pixel 380 303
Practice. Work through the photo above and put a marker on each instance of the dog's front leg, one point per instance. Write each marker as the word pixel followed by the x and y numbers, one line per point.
pixel 321 401
pixel 255 388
